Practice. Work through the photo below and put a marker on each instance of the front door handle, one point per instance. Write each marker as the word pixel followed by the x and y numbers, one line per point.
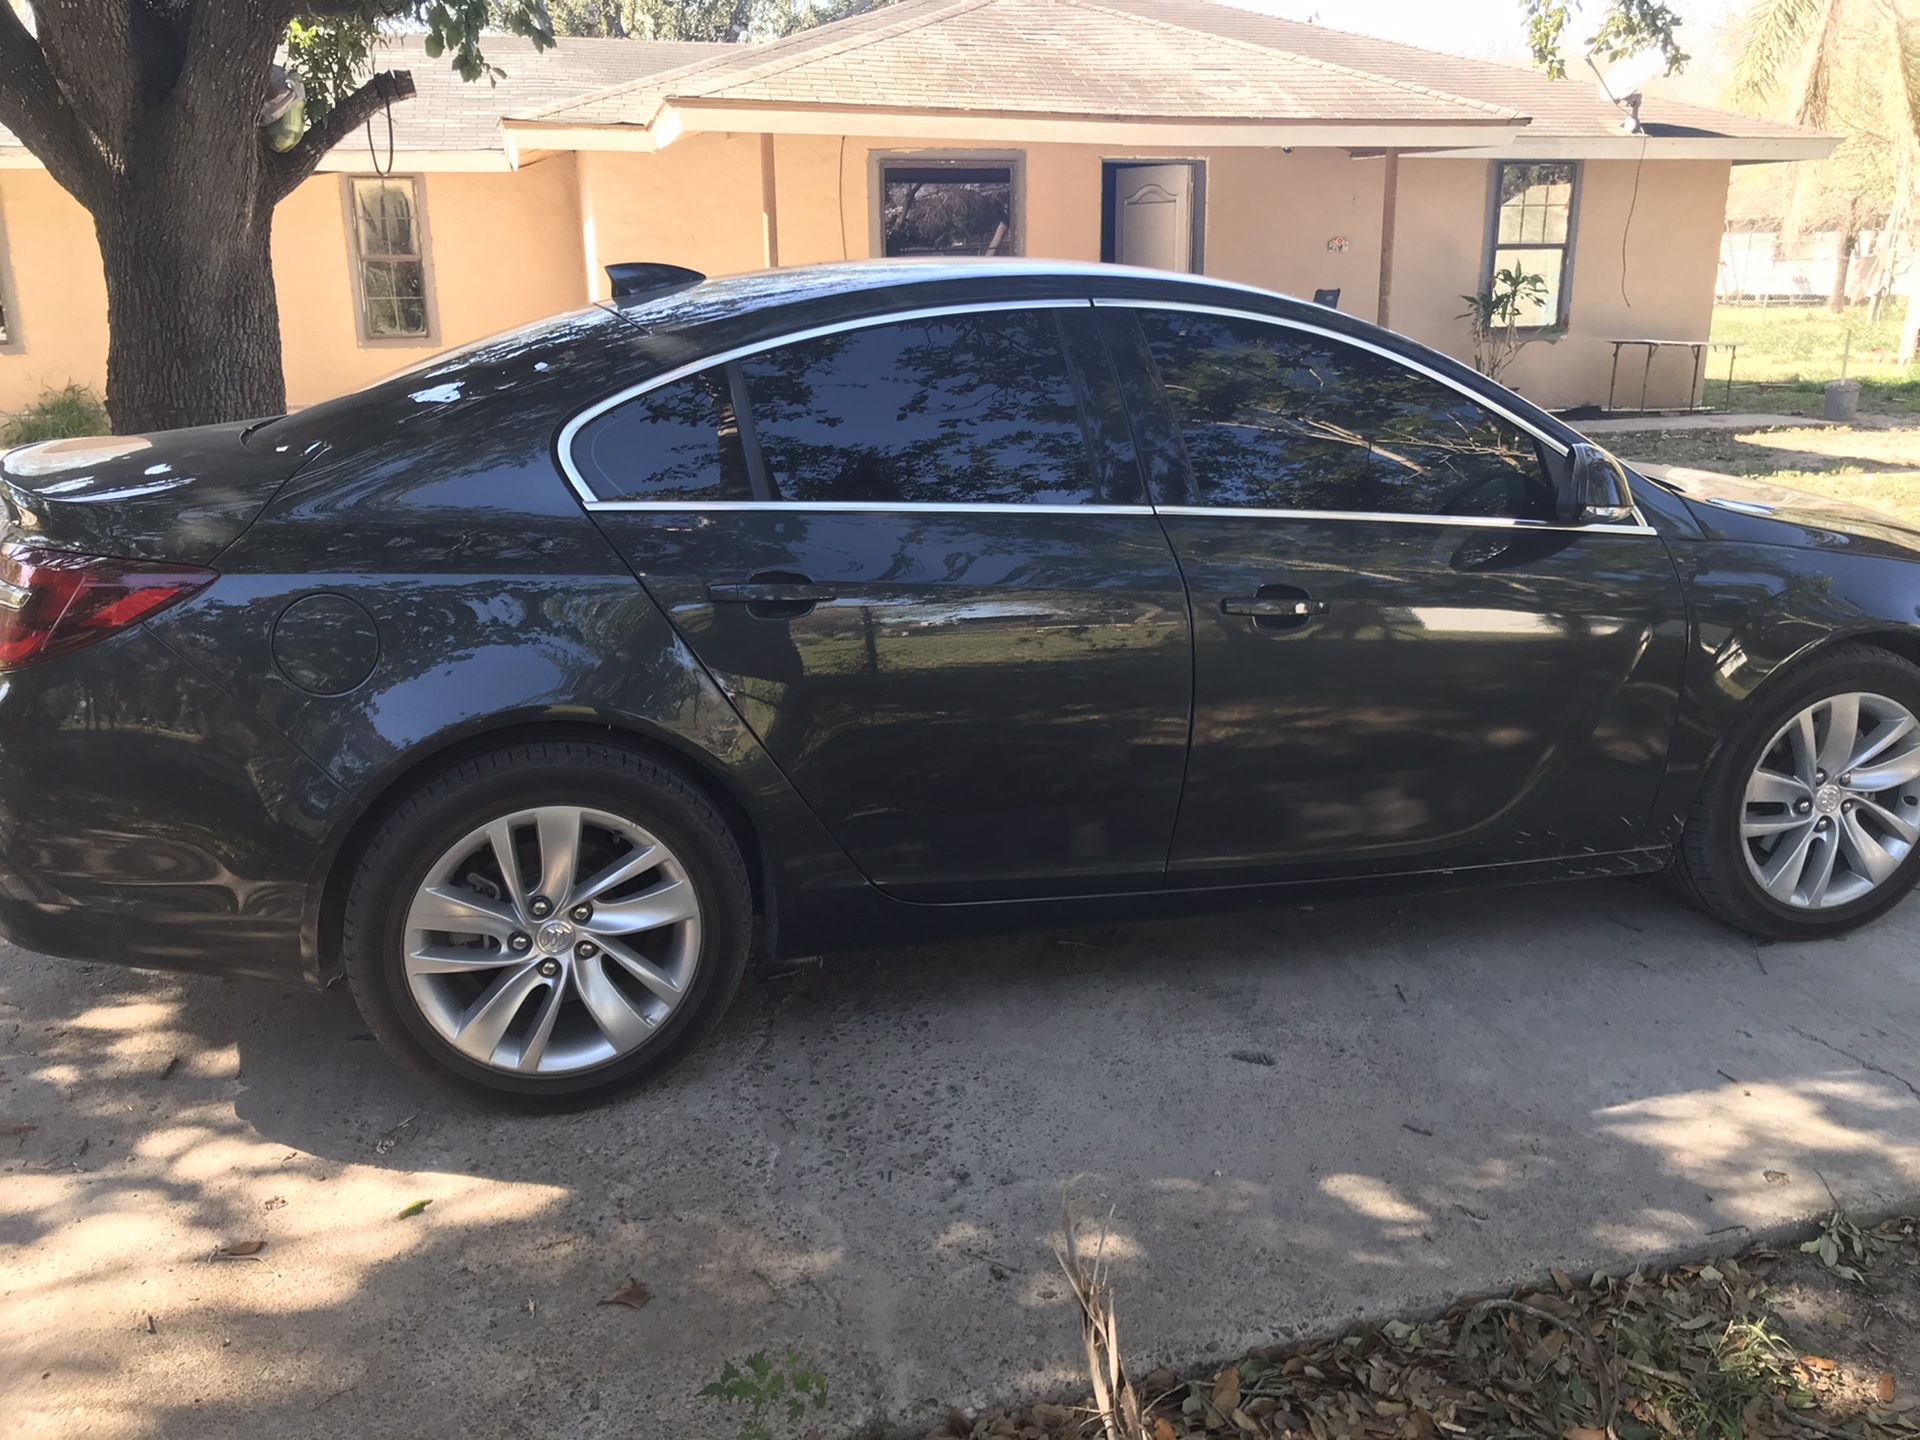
pixel 773 595
pixel 1276 607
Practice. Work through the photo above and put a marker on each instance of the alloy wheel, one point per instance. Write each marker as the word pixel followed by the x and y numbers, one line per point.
pixel 1832 809
pixel 552 940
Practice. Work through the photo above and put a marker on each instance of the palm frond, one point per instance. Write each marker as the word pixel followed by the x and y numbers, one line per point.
pixel 1772 37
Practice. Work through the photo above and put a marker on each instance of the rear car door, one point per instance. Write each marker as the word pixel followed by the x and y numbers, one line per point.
pixel 916 552
pixel 1401 662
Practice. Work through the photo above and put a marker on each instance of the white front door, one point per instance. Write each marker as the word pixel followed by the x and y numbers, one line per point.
pixel 1153 215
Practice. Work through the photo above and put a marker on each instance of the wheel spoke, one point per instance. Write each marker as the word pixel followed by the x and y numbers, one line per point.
pixel 500 836
pixel 1843 733
pixel 559 827
pixel 461 912
pixel 1819 871
pixel 535 1048
pixel 484 1024
pixel 667 903
pixel 456 960
pixel 622 1024
pixel 1902 769
pixel 1887 736
pixel 630 866
pixel 1781 877
pixel 1770 787
pixel 1758 825
pixel 1891 819
pixel 1866 854
pixel 644 970
pixel 1805 748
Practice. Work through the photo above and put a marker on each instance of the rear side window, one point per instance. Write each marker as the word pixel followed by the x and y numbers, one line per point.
pixel 1278 419
pixel 680 442
pixel 951 409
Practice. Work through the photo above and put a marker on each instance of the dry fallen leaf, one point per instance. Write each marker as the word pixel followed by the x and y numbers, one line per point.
pixel 1818 1362
pixel 1883 1389
pixel 241 1249
pixel 1583 1432
pixel 633 1295
pixel 1162 1429
pixel 1226 1390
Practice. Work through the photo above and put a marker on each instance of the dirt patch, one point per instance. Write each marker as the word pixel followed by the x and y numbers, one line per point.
pixel 1782 1341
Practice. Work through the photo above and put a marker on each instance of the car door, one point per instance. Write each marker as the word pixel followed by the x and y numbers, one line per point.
pixel 916 553
pixel 1400 661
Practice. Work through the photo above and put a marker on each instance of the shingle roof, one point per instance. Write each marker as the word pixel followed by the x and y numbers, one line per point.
pixel 1570 107
pixel 1055 57
pixel 448 113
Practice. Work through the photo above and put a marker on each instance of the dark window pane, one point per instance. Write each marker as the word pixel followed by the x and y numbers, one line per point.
pixel 947 210
pixel 680 442
pixel 1284 420
pixel 954 410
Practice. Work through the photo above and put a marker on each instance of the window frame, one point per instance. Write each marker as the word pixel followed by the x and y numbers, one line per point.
pixel 569 433
pixel 356 262
pixel 1557 450
pixel 1490 260
pixel 878 162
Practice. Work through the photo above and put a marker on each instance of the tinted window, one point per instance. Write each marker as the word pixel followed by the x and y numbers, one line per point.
pixel 957 409
pixel 680 442
pixel 1284 420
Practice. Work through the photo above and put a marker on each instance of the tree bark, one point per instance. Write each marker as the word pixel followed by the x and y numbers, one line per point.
pixel 192 322
pixel 1847 240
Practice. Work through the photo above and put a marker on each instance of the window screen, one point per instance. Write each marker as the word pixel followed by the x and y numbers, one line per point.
pixel 1277 419
pixel 960 409
pixel 680 442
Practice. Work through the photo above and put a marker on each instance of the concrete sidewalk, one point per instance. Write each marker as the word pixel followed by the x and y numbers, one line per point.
pixel 1296 1116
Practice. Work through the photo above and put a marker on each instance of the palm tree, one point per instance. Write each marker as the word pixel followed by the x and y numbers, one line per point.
pixel 1823 61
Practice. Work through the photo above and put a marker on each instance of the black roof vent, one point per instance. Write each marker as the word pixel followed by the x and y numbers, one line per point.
pixel 640 281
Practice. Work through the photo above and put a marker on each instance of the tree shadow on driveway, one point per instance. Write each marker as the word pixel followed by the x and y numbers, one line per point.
pixel 1293 1116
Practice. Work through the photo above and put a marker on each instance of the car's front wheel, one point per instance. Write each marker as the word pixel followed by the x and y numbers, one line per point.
pixel 1809 822
pixel 550 921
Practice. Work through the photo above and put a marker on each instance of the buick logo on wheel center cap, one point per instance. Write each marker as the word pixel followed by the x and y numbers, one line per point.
pixel 555 936
pixel 1827 799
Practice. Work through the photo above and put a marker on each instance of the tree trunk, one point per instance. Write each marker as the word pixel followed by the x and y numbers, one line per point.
pixel 1846 240
pixel 192 321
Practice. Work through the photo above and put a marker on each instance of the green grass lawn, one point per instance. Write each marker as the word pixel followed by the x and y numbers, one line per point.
pixel 1788 353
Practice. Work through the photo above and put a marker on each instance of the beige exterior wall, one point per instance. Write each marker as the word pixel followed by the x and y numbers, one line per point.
pixel 505 249
pixel 510 247
pixel 1671 259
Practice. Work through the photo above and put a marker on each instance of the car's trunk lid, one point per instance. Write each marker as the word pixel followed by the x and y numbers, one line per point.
pixel 180 495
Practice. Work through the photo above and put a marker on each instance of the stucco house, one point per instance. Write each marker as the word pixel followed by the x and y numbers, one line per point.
pixel 1178 133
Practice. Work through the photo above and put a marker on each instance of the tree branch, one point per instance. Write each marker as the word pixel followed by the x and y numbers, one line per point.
pixel 33 106
pixel 284 172
pixel 91 52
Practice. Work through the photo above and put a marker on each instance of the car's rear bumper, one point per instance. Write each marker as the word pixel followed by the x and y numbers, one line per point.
pixel 147 819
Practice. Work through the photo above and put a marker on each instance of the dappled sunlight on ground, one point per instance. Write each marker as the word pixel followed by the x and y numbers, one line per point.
pixel 867 1164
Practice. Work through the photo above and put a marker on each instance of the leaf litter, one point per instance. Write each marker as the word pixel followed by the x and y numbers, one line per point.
pixel 1779 1342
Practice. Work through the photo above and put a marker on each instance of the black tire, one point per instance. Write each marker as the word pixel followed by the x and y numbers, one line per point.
pixel 1710 864
pixel 479 789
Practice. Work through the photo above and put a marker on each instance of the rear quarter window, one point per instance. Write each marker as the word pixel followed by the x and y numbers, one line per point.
pixel 679 442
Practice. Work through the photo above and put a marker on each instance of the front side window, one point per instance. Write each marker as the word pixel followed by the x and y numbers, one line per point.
pixel 1533 220
pixel 1279 419
pixel 389 258
pixel 951 410
pixel 948 208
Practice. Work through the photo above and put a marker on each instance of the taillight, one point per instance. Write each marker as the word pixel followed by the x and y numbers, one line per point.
pixel 53 602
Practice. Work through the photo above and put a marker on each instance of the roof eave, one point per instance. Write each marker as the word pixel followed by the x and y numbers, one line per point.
pixel 1740 149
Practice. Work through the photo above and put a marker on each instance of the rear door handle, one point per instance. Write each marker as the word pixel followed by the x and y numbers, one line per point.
pixel 761 592
pixel 772 594
pixel 1270 606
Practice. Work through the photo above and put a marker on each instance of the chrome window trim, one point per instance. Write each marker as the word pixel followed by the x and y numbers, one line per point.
pixel 572 428
pixel 1559 446
pixel 875 507
pixel 1482 522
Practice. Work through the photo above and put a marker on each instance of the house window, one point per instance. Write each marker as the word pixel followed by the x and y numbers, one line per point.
pixel 384 219
pixel 1533 228
pixel 949 207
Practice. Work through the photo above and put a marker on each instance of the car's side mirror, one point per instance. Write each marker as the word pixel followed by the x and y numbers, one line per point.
pixel 1593 488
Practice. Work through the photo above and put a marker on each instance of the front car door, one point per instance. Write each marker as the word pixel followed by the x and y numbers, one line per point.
pixel 916 553
pixel 1400 661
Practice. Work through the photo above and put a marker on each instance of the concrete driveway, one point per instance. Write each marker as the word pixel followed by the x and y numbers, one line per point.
pixel 1296 1117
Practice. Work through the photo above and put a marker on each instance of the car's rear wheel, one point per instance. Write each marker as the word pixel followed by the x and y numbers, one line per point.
pixel 1809 823
pixel 549 922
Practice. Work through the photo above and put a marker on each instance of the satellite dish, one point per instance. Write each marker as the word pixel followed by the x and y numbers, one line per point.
pixel 1622 80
